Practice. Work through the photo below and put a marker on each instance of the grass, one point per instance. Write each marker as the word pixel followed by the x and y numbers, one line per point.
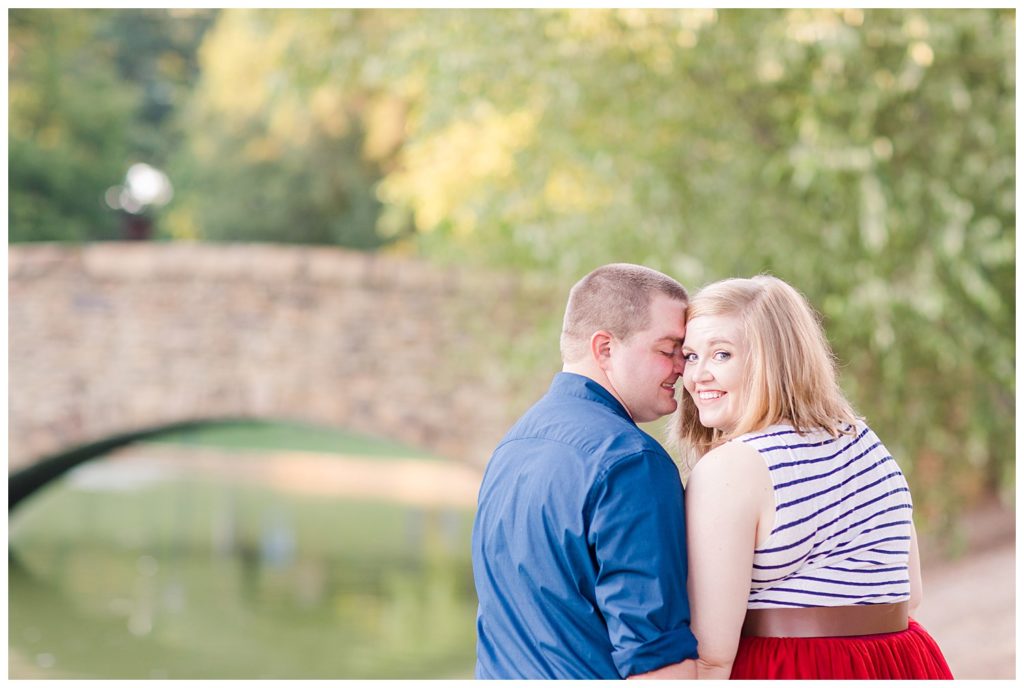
pixel 285 436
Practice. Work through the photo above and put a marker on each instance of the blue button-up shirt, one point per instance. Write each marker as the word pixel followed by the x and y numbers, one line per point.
pixel 579 551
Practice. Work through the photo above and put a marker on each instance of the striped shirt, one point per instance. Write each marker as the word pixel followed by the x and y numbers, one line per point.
pixel 842 521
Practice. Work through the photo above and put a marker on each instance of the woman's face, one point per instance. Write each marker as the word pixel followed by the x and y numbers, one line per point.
pixel 714 352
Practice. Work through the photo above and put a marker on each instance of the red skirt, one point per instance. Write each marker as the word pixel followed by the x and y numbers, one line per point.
pixel 909 654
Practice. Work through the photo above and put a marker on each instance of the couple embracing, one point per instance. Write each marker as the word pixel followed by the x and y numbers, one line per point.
pixel 793 554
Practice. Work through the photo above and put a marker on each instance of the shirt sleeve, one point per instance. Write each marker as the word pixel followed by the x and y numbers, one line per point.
pixel 638 538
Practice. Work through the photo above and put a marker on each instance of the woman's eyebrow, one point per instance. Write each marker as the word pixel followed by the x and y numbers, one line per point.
pixel 718 340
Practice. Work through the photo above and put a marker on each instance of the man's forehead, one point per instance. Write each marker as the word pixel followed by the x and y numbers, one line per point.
pixel 668 318
pixel 667 307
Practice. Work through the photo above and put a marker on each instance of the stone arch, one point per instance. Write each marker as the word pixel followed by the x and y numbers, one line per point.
pixel 111 339
pixel 25 481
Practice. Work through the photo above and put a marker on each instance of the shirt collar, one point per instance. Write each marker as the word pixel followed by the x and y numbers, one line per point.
pixel 583 387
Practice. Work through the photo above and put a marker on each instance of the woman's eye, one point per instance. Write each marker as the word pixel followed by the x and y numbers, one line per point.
pixel 690 358
pixel 722 355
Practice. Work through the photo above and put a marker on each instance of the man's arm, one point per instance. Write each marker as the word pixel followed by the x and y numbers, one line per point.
pixel 637 534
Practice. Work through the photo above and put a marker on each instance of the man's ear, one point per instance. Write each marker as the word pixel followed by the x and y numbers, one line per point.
pixel 601 347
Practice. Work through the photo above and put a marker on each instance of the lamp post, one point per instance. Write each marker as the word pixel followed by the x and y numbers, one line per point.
pixel 144 187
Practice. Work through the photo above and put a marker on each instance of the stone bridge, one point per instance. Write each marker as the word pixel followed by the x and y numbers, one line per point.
pixel 111 339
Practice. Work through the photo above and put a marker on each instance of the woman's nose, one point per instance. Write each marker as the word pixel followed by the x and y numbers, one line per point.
pixel 700 371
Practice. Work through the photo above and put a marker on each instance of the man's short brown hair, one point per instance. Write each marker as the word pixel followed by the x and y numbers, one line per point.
pixel 616 298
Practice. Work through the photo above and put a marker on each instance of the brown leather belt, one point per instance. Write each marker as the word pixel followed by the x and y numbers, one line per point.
pixel 826 622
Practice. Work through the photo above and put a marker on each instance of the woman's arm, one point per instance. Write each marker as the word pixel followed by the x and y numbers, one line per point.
pixel 914 569
pixel 683 670
pixel 726 495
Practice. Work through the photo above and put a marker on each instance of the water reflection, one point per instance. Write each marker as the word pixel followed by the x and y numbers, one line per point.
pixel 167 563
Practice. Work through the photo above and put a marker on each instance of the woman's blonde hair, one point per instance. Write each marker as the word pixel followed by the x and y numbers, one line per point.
pixel 790 368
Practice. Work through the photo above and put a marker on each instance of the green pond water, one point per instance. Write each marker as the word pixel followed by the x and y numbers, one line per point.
pixel 125 569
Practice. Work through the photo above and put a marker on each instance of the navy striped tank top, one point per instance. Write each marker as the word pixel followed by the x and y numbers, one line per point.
pixel 842 521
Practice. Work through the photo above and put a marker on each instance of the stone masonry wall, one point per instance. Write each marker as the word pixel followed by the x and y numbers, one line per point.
pixel 110 338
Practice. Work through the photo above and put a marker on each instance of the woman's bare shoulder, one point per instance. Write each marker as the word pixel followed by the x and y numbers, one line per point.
pixel 729 465
pixel 727 456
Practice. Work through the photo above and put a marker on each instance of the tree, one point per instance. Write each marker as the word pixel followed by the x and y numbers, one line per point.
pixel 68 118
pixel 271 157
pixel 864 155
pixel 91 93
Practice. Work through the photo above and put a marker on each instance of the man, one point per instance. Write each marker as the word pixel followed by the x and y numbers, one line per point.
pixel 579 540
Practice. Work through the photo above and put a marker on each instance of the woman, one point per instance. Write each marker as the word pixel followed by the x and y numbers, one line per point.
pixel 801 544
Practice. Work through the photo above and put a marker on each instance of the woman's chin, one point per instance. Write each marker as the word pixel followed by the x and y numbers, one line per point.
pixel 716 424
pixel 708 422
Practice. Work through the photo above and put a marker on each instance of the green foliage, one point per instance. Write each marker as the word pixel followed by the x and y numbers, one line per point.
pixel 156 50
pixel 864 155
pixel 67 121
pixel 867 156
pixel 268 158
pixel 90 93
